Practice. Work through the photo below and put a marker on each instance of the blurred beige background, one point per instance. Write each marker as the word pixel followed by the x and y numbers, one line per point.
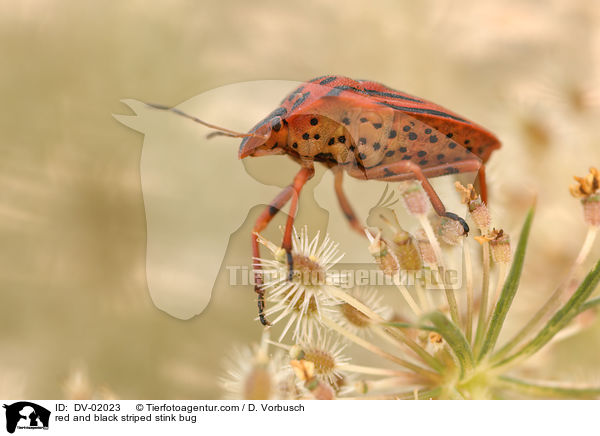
pixel 74 305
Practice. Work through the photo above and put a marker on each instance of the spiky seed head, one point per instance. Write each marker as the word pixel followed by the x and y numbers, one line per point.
pixel 477 208
pixel 450 231
pixel 500 247
pixel 305 297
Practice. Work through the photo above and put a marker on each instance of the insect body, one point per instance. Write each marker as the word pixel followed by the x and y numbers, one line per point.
pixel 368 131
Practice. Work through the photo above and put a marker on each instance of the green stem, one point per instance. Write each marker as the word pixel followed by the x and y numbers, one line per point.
pixel 547 390
pixel 559 320
pixel 483 302
pixel 554 299
pixel 511 285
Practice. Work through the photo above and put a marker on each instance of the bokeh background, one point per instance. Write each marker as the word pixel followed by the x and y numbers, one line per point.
pixel 76 318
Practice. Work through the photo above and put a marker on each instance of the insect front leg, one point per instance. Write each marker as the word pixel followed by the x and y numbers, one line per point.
pixel 261 223
pixel 303 176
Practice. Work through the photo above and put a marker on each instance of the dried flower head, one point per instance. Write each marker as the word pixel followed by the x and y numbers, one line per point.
pixel 588 190
pixel 586 186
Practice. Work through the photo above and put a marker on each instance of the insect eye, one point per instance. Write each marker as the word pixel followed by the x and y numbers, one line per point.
pixel 276 124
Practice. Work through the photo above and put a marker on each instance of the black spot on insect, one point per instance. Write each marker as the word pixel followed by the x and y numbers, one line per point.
pixel 412 123
pixel 377 125
pixel 388 173
pixel 328 80
pixel 305 136
pixel 362 141
pixel 452 170
pixel 403 149
pixel 390 153
pixel 346 121
pixel 331 141
pixel 317 136
pixel 363 120
pixel 273 210
pixel 428 131
pixel 449 135
pixel 470 148
pixel 376 146
pixel 412 136
pixel 433 139
pixel 392 134
pixel 406 128
pixel 407 157
pixel 276 124
pixel 422 153
pixel 423 162
pixel 314 121
pixel 295 145
pixel 467 141
pixel 362 156
pixel 352 148
pixel 275 146
pixel 452 145
pixel 342 139
pixel 440 156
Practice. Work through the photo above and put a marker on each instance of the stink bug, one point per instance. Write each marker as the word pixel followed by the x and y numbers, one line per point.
pixel 367 130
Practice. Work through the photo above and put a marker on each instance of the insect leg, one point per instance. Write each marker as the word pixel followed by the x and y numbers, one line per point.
pixel 261 223
pixel 398 170
pixel 303 176
pixel 482 184
pixel 344 203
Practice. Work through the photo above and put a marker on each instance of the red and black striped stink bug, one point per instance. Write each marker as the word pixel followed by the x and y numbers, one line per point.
pixel 367 130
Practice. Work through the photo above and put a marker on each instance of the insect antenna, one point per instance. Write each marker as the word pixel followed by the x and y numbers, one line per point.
pixel 219 130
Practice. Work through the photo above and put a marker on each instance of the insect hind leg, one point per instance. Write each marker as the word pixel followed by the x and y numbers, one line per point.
pixel 344 203
pixel 396 171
